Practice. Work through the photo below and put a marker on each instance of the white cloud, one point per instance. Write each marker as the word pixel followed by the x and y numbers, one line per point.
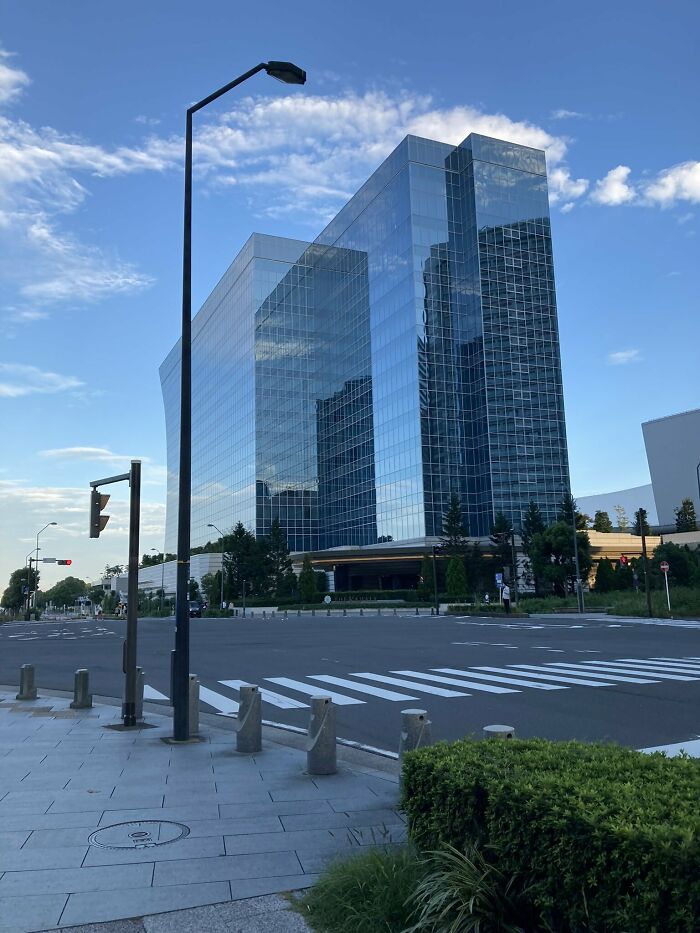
pixel 12 80
pixel 622 357
pixel 562 187
pixel 678 183
pixel 100 454
pixel 567 115
pixel 566 208
pixel 614 189
pixel 17 380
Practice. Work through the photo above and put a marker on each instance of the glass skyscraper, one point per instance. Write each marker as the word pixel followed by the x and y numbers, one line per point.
pixel 351 385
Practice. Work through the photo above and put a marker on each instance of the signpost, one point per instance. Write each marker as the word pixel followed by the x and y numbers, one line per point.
pixel 664 570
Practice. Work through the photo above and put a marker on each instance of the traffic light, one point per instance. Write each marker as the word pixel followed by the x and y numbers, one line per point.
pixel 623 560
pixel 97 522
pixel 67 563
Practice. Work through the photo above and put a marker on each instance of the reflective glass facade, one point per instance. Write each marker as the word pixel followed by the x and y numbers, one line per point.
pixel 349 386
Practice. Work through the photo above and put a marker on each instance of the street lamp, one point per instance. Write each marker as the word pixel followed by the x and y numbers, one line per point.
pixel 36 562
pixel 212 525
pixel 289 74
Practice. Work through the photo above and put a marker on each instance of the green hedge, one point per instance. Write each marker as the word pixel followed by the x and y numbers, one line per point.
pixel 608 838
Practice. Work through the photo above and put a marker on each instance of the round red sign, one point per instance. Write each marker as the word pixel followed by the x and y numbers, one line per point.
pixel 664 566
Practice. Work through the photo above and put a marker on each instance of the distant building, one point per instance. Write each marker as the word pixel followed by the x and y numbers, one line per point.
pixel 631 499
pixel 673 452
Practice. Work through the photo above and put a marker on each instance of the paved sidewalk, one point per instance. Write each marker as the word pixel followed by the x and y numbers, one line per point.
pixel 241 826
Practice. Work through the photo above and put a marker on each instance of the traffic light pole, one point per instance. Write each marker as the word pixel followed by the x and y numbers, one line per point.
pixel 435 583
pixel 641 516
pixel 133 477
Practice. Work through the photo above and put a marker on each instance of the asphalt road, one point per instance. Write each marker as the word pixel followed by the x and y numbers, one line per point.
pixel 377 666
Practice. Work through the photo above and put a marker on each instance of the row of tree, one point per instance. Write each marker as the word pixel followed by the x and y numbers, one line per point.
pixel 686 520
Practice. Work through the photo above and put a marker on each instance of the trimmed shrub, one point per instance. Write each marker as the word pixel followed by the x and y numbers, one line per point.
pixel 602 837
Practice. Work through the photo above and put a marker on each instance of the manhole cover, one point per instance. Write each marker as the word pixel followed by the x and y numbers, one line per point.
pixel 139 834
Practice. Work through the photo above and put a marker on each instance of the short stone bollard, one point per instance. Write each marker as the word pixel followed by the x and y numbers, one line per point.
pixel 249 723
pixel 264 614
pixel 417 610
pixel 82 698
pixel 298 612
pixel 362 612
pixel 394 611
pixel 27 684
pixel 328 612
pixel 321 754
pixel 193 704
pixel 499 732
pixel 286 615
pixel 273 614
pixel 379 611
pixel 313 612
pixel 345 612
pixel 415 730
pixel 140 681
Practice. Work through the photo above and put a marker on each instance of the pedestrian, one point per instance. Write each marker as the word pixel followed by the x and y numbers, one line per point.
pixel 505 596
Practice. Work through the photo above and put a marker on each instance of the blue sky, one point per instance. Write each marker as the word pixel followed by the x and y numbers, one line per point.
pixel 92 100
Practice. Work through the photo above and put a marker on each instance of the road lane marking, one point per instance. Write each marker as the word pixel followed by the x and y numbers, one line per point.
pixel 150 693
pixel 672 666
pixel 300 687
pixel 361 688
pixel 486 688
pixel 420 688
pixel 630 669
pixel 567 680
pixel 474 675
pixel 269 696
pixel 572 669
pixel 223 704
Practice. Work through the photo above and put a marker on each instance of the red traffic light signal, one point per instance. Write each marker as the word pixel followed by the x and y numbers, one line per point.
pixel 66 563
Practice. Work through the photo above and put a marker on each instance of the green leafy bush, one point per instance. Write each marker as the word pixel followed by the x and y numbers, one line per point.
pixel 604 838
pixel 367 893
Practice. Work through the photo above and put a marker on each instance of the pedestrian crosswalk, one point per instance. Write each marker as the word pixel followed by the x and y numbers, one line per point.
pixel 449 683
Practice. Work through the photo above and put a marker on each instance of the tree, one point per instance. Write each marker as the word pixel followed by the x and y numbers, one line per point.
pixel 246 561
pixel 193 589
pixel 321 581
pixel 14 596
pixel 686 519
pixel 683 564
pixel 500 537
pixel 604 576
pixel 553 557
pixel 66 591
pixel 641 525
pixel 150 560
pixel 454 534
pixel 211 587
pixel 278 559
pixel 307 581
pixel 623 522
pixel 117 570
pixel 567 510
pixel 456 578
pixel 478 569
pixel 602 522
pixel 426 584
pixel 533 524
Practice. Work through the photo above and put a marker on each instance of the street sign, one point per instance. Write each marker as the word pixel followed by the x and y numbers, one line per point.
pixel 499 579
pixel 48 560
pixel 664 566
pixel 327 600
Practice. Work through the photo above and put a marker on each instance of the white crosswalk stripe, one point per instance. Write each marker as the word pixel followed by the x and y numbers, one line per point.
pixel 361 688
pixel 551 676
pixel 621 678
pixel 339 698
pixel 672 666
pixel 269 696
pixel 150 693
pixel 517 681
pixel 689 662
pixel 485 688
pixel 420 688
pixel 221 703
pixel 631 669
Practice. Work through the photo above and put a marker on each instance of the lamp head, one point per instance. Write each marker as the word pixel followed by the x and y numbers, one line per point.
pixel 286 72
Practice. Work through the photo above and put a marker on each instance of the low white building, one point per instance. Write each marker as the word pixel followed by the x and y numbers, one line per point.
pixel 164 576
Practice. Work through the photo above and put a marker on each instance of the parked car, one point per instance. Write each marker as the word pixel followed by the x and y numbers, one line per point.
pixel 195 609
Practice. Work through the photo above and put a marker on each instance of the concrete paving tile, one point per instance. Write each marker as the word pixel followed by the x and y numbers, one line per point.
pixel 87 782
pixel 129 925
pixel 266 914
pixel 333 819
pixel 278 807
pixel 187 848
pixel 368 801
pixel 31 821
pixel 26 806
pixel 225 868
pixel 18 860
pixel 58 838
pixel 237 795
pixel 314 863
pixel 36 912
pixel 300 792
pixel 78 801
pixel 15 839
pixel 92 908
pixel 314 840
pixel 195 811
pixel 233 827
pixel 72 880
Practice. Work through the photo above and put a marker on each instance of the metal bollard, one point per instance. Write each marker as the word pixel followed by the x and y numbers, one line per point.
pixel 379 611
pixel 273 614
pixel 362 612
pixel 313 612
pixel 432 610
pixel 415 730
pixel 321 747
pixel 499 732
pixel 264 614
pixel 82 698
pixel 345 612
pixel 394 611
pixel 193 697
pixel 140 681
pixel 286 615
pixel 249 724
pixel 416 610
pixel 27 684
pixel 172 675
pixel 298 612
pixel 252 613
pixel 328 612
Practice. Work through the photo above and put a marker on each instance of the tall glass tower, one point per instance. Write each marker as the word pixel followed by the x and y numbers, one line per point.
pixel 350 386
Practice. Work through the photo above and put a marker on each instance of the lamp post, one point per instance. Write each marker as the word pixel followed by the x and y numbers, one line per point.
pixel 28 573
pixel 36 561
pixel 212 525
pixel 289 74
